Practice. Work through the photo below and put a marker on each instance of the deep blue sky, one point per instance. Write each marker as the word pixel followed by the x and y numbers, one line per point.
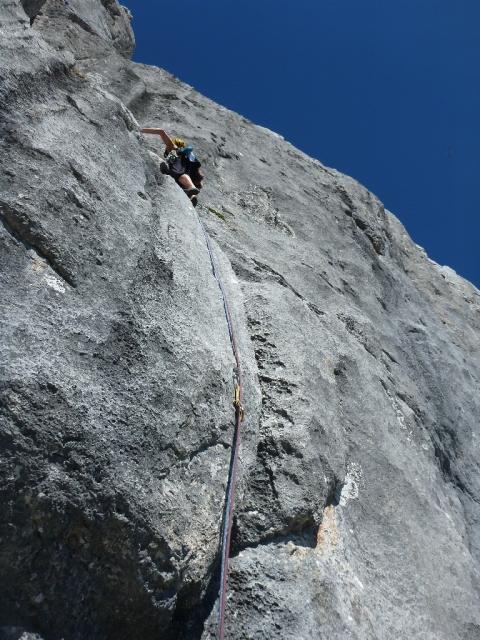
pixel 387 92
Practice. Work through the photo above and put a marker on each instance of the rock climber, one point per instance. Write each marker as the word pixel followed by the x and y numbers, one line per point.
pixel 181 163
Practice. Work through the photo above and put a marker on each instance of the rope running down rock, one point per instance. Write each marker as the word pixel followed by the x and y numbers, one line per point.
pixel 232 474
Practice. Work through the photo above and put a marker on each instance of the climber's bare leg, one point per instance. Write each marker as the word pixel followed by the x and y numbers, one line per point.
pixel 186 182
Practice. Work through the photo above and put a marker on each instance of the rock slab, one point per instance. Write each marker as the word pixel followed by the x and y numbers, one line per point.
pixel 357 511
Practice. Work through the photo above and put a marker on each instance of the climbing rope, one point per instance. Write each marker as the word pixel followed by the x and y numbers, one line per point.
pixel 232 473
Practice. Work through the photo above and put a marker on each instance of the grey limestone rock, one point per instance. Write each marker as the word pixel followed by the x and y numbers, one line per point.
pixel 16 633
pixel 357 511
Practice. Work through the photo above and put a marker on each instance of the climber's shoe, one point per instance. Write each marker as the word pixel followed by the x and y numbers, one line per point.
pixel 192 192
pixel 194 200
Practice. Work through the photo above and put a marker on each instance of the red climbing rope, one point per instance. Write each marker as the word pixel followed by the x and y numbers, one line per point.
pixel 232 474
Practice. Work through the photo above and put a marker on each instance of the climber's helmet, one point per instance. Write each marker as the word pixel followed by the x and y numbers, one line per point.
pixel 179 143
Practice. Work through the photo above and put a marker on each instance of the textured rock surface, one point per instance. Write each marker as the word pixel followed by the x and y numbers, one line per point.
pixel 358 506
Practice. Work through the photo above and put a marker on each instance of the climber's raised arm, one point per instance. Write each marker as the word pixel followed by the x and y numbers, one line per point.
pixel 162 133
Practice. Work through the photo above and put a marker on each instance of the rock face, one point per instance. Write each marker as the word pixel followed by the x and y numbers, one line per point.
pixel 357 511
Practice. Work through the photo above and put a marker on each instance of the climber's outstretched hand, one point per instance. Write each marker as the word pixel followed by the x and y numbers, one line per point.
pixel 152 130
pixel 163 134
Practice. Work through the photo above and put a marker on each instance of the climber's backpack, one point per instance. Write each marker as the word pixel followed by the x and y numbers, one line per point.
pixel 192 162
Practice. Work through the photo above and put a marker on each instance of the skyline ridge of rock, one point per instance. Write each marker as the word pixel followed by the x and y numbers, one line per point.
pixel 357 512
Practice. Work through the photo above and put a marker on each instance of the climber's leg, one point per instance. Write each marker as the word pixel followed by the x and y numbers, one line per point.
pixel 197 177
pixel 190 189
pixel 186 182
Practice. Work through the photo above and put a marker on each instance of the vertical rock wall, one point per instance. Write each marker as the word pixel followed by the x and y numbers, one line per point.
pixel 357 513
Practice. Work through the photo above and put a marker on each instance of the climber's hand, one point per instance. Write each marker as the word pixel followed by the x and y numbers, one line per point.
pixel 152 130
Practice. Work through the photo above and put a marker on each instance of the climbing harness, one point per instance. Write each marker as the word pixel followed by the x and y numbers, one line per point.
pixel 232 473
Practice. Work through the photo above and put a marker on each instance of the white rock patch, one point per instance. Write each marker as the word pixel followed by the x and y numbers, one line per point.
pixel 55 283
pixel 351 487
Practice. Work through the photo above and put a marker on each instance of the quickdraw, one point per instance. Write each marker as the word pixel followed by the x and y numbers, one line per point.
pixel 237 403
